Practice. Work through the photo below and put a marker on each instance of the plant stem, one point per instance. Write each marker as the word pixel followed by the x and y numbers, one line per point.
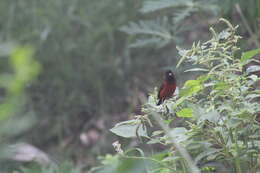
pixel 237 165
pixel 183 152
pixel 237 161
pixel 249 30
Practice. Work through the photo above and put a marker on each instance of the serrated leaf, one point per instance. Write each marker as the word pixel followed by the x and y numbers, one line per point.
pixel 149 41
pixel 183 13
pixel 185 113
pixel 129 129
pixel 206 153
pixel 158 27
pixel 249 54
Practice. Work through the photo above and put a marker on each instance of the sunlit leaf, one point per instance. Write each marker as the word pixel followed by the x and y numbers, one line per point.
pixel 221 86
pixel 249 54
pixel 191 87
pixel 185 113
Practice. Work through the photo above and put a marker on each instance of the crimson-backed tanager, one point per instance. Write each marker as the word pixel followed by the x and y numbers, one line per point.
pixel 167 88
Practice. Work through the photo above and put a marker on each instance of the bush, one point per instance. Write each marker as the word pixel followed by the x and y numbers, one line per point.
pixel 218 112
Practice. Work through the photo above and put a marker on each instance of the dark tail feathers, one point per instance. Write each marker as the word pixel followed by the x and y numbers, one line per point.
pixel 159 102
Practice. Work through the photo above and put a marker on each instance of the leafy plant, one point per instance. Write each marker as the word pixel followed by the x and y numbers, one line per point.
pixel 169 24
pixel 219 129
pixel 19 69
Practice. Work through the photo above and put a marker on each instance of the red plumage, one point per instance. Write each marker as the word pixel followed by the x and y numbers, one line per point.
pixel 168 87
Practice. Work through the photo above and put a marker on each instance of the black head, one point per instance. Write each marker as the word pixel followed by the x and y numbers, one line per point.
pixel 169 76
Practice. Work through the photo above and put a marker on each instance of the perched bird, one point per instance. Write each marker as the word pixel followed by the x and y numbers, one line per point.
pixel 167 88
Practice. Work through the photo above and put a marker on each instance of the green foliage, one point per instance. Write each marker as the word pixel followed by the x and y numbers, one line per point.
pixel 20 69
pixel 24 70
pixel 168 27
pixel 248 55
pixel 221 127
pixel 84 63
pixel 65 167
pixel 130 129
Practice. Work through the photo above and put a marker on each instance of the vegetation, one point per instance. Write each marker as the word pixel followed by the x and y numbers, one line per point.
pixel 91 65
pixel 218 111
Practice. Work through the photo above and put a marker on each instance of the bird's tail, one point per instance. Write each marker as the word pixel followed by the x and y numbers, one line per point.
pixel 159 102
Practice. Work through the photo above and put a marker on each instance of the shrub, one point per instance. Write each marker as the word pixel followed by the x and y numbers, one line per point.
pixel 218 112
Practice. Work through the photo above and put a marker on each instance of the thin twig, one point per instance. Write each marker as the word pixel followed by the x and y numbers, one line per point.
pixel 181 150
pixel 243 18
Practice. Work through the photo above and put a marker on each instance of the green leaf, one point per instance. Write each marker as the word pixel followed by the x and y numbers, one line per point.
pixel 129 129
pixel 249 54
pixel 151 6
pixel 179 101
pixel 158 27
pixel 179 134
pixel 196 69
pixel 206 153
pixel 212 116
pixel 253 68
pixel 221 86
pixel 154 141
pixel 191 87
pixel 185 113
pixel 191 83
pixel 157 132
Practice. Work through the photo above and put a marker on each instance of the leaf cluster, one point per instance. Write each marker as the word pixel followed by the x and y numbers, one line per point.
pixel 221 131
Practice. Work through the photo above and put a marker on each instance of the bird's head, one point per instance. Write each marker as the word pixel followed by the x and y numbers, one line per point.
pixel 169 76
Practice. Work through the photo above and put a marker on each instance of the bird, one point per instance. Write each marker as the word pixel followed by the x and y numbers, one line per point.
pixel 167 88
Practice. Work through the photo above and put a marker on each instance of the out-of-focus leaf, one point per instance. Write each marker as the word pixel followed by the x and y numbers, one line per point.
pixel 178 102
pixel 253 77
pixel 179 134
pixel 129 129
pixel 157 132
pixel 185 113
pixel 149 27
pixel 212 116
pixel 28 153
pixel 196 69
pixel 154 141
pixel 150 6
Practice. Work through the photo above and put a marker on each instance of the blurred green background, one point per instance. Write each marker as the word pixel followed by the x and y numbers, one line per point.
pixel 87 72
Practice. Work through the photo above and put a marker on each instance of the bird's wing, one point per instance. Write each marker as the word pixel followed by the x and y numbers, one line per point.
pixel 159 92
